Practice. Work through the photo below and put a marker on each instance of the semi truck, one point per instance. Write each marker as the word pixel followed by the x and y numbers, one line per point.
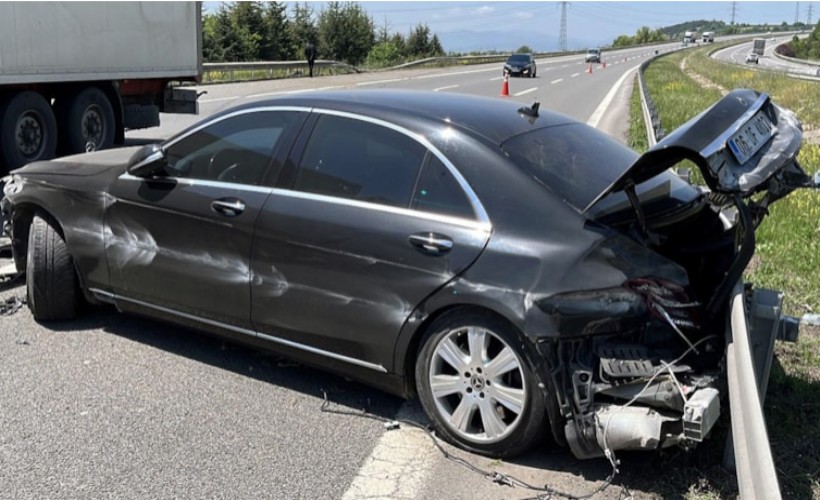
pixel 75 75
pixel 689 37
pixel 708 36
pixel 758 46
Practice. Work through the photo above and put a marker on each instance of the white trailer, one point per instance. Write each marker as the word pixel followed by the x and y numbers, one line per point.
pixel 708 36
pixel 75 75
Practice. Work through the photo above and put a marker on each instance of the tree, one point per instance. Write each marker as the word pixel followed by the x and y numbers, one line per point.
pixel 346 33
pixel 303 29
pixel 524 49
pixel 418 43
pixel 249 26
pixel 277 44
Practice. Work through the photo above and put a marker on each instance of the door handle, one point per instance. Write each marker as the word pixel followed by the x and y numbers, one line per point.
pixel 431 243
pixel 229 207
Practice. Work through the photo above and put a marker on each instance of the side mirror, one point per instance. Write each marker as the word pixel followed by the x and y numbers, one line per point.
pixel 147 161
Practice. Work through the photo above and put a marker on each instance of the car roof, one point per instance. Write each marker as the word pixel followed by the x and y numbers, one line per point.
pixel 495 119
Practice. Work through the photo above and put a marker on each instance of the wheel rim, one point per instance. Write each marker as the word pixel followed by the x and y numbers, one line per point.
pixel 30 134
pixel 92 126
pixel 477 383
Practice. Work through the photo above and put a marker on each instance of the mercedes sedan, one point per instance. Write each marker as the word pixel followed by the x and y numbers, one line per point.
pixel 519 272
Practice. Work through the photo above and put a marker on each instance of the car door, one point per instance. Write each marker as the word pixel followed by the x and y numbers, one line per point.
pixel 373 222
pixel 181 243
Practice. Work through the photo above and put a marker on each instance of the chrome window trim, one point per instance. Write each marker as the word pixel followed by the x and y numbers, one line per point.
pixel 408 212
pixel 108 296
pixel 478 207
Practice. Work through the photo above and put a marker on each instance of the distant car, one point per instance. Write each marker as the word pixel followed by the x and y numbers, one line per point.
pixel 593 55
pixel 752 58
pixel 520 65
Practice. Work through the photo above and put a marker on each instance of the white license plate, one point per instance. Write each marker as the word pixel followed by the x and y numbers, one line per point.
pixel 751 137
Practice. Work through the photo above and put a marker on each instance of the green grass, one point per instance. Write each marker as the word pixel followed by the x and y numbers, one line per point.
pixel 787 259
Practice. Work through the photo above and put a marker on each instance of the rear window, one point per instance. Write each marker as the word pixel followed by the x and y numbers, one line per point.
pixel 574 161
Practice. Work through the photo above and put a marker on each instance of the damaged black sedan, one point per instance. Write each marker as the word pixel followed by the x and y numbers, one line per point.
pixel 518 271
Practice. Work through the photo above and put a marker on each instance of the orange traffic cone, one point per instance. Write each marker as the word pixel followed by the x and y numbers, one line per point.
pixel 505 87
pixel 589 69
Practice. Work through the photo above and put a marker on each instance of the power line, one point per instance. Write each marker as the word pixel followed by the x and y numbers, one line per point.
pixel 734 11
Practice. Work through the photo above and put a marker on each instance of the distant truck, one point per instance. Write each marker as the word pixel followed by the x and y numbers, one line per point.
pixel 689 37
pixel 75 75
pixel 758 46
pixel 708 36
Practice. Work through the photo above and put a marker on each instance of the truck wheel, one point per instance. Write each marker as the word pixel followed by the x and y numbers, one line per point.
pixel 51 282
pixel 88 123
pixel 28 130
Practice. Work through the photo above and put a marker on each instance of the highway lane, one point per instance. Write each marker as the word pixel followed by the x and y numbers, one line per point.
pixel 123 407
pixel 769 61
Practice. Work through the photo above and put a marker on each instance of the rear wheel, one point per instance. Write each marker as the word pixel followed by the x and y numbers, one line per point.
pixel 28 130
pixel 476 383
pixel 51 281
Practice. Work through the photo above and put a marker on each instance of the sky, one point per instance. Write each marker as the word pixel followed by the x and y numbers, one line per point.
pixel 464 26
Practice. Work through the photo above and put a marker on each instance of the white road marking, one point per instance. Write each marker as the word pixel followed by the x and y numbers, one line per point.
pixel 557 81
pixel 397 466
pixel 574 75
pixel 601 109
pixel 496 78
pixel 445 88
pixel 376 82
pixel 526 91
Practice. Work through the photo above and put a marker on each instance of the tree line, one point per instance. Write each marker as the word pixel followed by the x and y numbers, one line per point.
pixel 675 32
pixel 341 31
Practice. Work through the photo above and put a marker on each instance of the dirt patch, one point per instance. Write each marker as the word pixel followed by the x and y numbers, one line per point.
pixel 700 79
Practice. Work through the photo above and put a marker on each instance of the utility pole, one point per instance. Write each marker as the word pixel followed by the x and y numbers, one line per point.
pixel 796 13
pixel 562 37
pixel 734 11
pixel 810 7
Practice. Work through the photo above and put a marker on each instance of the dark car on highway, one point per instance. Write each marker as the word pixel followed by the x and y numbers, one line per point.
pixel 521 65
pixel 520 272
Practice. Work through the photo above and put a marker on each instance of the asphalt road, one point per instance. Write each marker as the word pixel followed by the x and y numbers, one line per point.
pixel 115 406
pixel 737 54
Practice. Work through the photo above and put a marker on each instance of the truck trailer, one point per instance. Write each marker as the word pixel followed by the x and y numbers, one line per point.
pixel 75 75
pixel 708 36
pixel 758 46
pixel 690 37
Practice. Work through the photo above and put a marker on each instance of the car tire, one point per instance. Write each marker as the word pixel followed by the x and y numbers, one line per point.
pixel 500 413
pixel 51 280
pixel 28 130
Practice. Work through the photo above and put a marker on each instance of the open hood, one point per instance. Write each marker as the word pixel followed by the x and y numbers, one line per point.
pixel 738 144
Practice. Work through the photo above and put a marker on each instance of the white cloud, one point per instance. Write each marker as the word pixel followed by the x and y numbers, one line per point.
pixel 481 11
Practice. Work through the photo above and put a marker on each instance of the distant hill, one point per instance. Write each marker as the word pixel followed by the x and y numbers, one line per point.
pixel 676 31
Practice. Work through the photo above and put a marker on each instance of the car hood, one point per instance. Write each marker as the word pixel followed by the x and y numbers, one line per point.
pixel 85 164
pixel 718 142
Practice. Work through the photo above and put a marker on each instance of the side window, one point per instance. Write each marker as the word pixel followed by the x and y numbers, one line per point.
pixel 358 160
pixel 438 192
pixel 236 149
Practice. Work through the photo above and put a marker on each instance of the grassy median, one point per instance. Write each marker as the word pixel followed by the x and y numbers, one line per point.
pixel 682 85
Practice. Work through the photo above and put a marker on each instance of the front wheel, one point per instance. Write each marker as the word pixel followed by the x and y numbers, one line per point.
pixel 476 383
pixel 51 282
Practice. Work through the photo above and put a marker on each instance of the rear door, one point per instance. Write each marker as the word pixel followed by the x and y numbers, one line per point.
pixel 372 221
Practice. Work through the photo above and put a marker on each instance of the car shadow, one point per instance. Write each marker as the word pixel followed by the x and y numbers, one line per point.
pixel 340 392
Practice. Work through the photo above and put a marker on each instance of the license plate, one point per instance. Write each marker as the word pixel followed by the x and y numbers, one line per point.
pixel 751 137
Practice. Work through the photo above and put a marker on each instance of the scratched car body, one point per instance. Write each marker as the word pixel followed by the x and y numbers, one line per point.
pixel 518 271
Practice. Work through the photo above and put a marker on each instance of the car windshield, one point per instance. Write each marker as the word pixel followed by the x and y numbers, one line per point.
pixel 519 58
pixel 575 162
pixel 592 51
